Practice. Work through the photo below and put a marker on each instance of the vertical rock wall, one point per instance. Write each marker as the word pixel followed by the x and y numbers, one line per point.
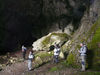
pixel 25 19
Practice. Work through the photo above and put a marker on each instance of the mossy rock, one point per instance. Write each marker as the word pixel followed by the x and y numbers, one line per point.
pixel 93 56
pixel 43 54
pixel 71 60
pixel 41 58
pixel 38 60
pixel 45 42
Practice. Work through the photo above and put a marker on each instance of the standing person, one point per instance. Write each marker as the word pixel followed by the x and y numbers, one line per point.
pixel 56 53
pixel 82 52
pixel 24 51
pixel 30 58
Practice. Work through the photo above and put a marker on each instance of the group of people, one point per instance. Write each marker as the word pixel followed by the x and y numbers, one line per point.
pixel 82 52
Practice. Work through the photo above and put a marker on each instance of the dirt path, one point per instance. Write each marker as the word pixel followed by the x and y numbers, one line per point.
pixel 45 70
pixel 15 69
pixel 20 68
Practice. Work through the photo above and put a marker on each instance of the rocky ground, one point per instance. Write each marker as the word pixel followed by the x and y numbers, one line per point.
pixel 49 68
pixel 20 67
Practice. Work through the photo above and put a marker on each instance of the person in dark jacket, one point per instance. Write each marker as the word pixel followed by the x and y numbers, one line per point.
pixel 56 53
pixel 24 51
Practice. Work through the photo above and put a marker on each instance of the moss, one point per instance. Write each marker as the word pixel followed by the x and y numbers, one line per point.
pixel 48 39
pixel 42 58
pixel 93 28
pixel 44 54
pixel 36 65
pixel 94 50
pixel 64 63
pixel 71 60
pixel 64 48
pixel 60 34
pixel 54 69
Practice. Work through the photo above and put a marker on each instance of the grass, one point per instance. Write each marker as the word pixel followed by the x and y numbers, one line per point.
pixel 54 69
pixel 88 73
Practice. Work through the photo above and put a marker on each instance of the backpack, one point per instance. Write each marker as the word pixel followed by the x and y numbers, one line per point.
pixel 86 50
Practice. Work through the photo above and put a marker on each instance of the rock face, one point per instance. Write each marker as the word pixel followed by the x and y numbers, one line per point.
pixel 22 20
pixel 64 16
pixel 88 33
pixel 45 42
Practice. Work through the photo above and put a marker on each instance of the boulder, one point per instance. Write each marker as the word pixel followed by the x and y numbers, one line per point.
pixel 38 60
pixel 45 42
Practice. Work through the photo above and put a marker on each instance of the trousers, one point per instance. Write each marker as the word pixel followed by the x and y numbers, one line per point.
pixel 24 54
pixel 30 64
pixel 83 62
pixel 56 58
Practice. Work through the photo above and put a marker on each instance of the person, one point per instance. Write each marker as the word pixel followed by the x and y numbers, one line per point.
pixel 56 53
pixel 24 51
pixel 30 58
pixel 82 52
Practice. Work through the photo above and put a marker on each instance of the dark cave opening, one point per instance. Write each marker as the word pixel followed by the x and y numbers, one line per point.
pixel 25 22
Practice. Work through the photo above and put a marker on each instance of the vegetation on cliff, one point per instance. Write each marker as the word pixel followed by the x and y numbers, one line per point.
pixel 94 48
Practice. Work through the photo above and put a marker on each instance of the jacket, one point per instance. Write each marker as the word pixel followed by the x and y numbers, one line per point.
pixel 83 50
pixel 56 51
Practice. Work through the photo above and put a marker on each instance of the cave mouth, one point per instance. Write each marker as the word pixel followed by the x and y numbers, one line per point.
pixel 23 22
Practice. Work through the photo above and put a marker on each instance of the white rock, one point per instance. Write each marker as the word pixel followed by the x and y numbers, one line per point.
pixel 51 39
pixel 61 55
